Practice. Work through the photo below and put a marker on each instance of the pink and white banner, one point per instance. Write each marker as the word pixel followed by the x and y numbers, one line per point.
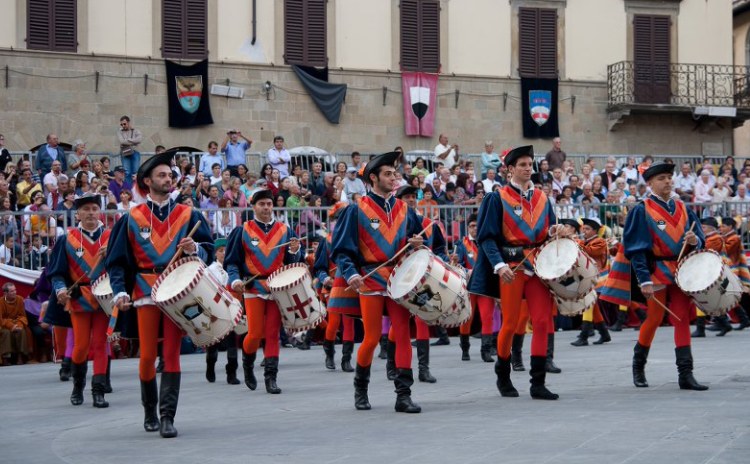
pixel 419 91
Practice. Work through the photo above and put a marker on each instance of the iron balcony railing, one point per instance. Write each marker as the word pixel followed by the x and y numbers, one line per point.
pixel 678 84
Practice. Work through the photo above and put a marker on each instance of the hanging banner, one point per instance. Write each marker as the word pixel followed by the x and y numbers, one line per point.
pixel 539 108
pixel 419 91
pixel 329 98
pixel 187 93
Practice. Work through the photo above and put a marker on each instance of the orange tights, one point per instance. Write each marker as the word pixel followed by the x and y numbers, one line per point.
pixel 486 307
pixel 680 304
pixel 334 320
pixel 263 320
pixel 90 328
pixel 372 314
pixel 149 319
pixel 539 307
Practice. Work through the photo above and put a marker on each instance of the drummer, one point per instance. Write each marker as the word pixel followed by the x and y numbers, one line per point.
pixel 369 234
pixel 512 223
pixel 435 241
pixel 324 270
pixel 142 243
pixel 78 257
pixel 655 231
pixel 735 254
pixel 596 247
pixel 714 242
pixel 254 251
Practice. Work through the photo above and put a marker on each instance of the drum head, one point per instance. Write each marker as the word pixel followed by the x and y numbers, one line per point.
pixel 102 287
pixel 407 275
pixel 556 258
pixel 287 276
pixel 177 280
pixel 699 271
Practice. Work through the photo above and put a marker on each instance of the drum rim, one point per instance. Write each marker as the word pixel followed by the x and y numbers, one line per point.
pixel 98 281
pixel 569 271
pixel 193 283
pixel 401 261
pixel 684 260
pixel 278 271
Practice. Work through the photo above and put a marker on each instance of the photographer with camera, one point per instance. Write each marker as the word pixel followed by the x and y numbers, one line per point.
pixel 234 149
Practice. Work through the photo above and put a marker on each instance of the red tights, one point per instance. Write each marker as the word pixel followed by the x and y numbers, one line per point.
pixel 372 314
pixel 334 320
pixel 540 311
pixel 263 320
pixel 90 329
pixel 149 319
pixel 680 304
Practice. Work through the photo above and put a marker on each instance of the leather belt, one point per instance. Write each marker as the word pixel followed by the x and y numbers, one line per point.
pixel 153 270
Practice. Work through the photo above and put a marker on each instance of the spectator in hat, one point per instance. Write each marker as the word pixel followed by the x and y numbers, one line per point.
pixel 353 185
pixel 119 183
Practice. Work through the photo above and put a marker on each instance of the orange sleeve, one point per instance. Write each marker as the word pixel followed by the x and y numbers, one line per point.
pixel 597 249
pixel 715 243
pixel 734 247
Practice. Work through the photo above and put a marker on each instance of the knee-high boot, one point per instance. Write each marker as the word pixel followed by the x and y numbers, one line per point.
pixel 550 363
pixel 622 317
pixel 361 381
pixel 330 352
pixel 390 363
pixel 269 374
pixel 212 355
pixel 700 327
pixel 404 381
pixel 169 394
pixel 504 384
pixel 423 357
pixel 684 361
pixel 485 350
pixel 538 374
pixel 604 336
pixel 516 353
pixel 247 365
pixel 347 348
pixel 78 372
pixel 583 335
pixel 65 369
pixel 383 353
pixel 98 387
pixel 640 355
pixel 150 399
pixel 231 369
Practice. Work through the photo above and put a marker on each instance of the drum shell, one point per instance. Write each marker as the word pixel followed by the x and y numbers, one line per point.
pixel 722 295
pixel 294 317
pixel 575 307
pixel 576 282
pixel 104 297
pixel 219 311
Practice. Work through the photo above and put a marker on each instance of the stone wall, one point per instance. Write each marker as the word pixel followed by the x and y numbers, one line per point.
pixel 33 106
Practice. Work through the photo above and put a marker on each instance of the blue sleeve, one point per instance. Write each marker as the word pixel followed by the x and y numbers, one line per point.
pixel 320 266
pixel 57 270
pixel 235 255
pixel 460 251
pixel 345 245
pixel 490 228
pixel 119 255
pixel 693 219
pixel 438 243
pixel 637 243
pixel 202 237
pixel 291 258
pixel 413 223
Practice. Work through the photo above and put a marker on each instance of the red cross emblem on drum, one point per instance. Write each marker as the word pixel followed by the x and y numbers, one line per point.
pixel 222 294
pixel 299 306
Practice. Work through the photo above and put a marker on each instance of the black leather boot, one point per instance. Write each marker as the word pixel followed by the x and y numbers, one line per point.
pixel 604 336
pixel 383 353
pixel 744 319
pixel 700 327
pixel 269 374
pixel 504 384
pixel 538 374
pixel 347 348
pixel 361 381
pixel 485 350
pixel 622 317
pixel 390 362
pixel 442 337
pixel 247 365
pixel 516 353
pixel 231 369
pixel 423 357
pixel 550 364
pixel 65 369
pixel 640 355
pixel 304 345
pixel 107 382
pixel 330 352
pixel 684 361
pixel 160 363
pixel 168 396
pixel 724 326
pixel 583 335
pixel 212 355
pixel 493 346
pixel 149 400
pixel 98 384
pixel 465 345
pixel 78 372
pixel 404 381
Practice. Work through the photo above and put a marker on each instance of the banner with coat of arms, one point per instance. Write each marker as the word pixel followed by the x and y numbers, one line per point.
pixel 539 108
pixel 420 97
pixel 187 93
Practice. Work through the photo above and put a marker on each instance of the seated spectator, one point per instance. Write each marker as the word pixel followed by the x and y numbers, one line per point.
pixel 8 224
pixel 353 184
pixel 275 183
pixel 419 167
pixel 284 188
pixel 334 187
pixel 684 182
pixel 78 155
pixel 427 204
pixel 82 183
pixel 67 210
pixel 14 327
pixel 703 187
pixel 648 160
pixel 7 251
pixel 490 180
pixel 215 175
pixel 564 208
pixel 544 175
pixel 38 254
pixel 211 202
pixel 119 182
pixel 224 220
pixel 719 194
pixel 41 332
pixel 630 171
pixel 226 182
pixel 26 188
pixel 279 212
pixel 235 196
pixel 588 194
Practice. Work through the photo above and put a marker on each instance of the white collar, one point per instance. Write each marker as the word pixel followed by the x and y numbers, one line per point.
pixel 159 204
pixel 521 189
pixel 273 219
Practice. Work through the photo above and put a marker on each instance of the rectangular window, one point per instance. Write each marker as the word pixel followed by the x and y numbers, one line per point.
pixel 51 25
pixel 651 58
pixel 305 32
pixel 184 29
pixel 420 35
pixel 537 42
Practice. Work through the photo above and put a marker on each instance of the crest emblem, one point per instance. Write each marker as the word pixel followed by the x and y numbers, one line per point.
pixel 661 224
pixel 254 241
pixel 518 210
pixel 375 223
pixel 189 91
pixel 420 101
pixel 145 233
pixel 470 255
pixel 79 252
pixel 540 106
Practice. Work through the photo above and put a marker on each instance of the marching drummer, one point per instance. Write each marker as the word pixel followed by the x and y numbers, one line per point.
pixel 714 242
pixel 78 260
pixel 254 251
pixel 435 241
pixel 512 223
pixel 142 243
pixel 655 231
pixel 735 253
pixel 596 247
pixel 368 235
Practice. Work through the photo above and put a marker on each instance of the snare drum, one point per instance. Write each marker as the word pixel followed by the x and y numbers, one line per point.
pixel 575 307
pixel 102 291
pixel 193 298
pixel 429 288
pixel 566 269
pixel 711 284
pixel 291 288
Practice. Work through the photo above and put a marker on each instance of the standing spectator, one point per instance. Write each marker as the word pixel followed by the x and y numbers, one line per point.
pixel 210 158
pixel 128 139
pixel 356 160
pixel 490 159
pixel 25 189
pixel 119 183
pixel 234 149
pixel 556 157
pixel 491 180
pixel 353 185
pixel 544 176
pixel 279 157
pixel 684 182
pixel 79 154
pixel 719 194
pixel 448 154
pixel 47 154
pixel 51 178
pixel 317 179
pixel 5 156
pixel 14 333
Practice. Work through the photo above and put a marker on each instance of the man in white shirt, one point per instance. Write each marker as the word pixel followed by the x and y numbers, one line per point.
pixel 278 157
pixel 448 154
pixel 51 178
pixel 684 182
pixel 741 200
pixel 490 182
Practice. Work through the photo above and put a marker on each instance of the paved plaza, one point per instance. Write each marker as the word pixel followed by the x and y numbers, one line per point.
pixel 600 416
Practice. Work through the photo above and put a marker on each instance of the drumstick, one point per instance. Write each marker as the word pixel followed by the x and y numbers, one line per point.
pixel 666 309
pixel 398 253
pixel 287 243
pixel 684 245
pixel 245 282
pixel 181 249
pixel 522 261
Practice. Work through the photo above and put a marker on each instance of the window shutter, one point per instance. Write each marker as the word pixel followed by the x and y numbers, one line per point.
pixel 184 28
pixel 64 18
pixel 195 37
pixel 39 24
pixel 51 25
pixel 305 32
pixel 548 43
pixel 527 42
pixel 294 41
pixel 651 56
pixel 537 42
pixel 420 35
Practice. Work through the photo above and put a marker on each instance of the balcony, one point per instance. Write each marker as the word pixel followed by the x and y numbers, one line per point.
pixel 651 87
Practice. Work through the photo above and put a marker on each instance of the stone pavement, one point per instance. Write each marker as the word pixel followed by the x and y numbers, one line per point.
pixel 600 416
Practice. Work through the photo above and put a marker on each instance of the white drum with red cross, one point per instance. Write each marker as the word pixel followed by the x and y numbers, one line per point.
pixel 291 288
